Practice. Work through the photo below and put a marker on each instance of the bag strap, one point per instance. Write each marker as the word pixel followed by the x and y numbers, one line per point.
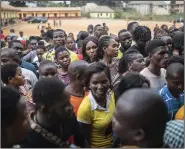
pixel 48 135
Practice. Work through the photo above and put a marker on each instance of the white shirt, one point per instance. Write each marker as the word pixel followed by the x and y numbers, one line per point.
pixel 30 78
pixel 156 82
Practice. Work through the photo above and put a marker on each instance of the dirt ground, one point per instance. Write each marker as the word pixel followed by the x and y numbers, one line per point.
pixel 76 25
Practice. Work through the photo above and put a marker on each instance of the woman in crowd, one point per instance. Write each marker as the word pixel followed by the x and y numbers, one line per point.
pixel 63 60
pixel 108 49
pixel 96 110
pixel 90 49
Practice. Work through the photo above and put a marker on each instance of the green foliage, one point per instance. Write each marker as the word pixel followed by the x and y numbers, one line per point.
pixel 17 3
pixel 118 15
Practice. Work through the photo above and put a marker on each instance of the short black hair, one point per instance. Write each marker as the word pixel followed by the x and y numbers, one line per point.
pixel 80 43
pixel 174 68
pixel 9 100
pixel 97 27
pixel 86 40
pixel 40 43
pixel 8 71
pixel 46 63
pixel 77 68
pixel 61 31
pixel 129 81
pixel 60 49
pixel 178 41
pixel 103 42
pixel 47 91
pixel 83 35
pixel 49 34
pixel 13 41
pixel 90 26
pixel 129 27
pixel 12 30
pixel 142 32
pixel 122 31
pixel 41 47
pixel 153 45
pixel 176 59
pixel 96 68
pixel 152 114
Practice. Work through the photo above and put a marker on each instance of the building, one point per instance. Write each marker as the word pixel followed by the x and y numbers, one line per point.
pixel 8 12
pixel 49 12
pixel 102 12
pixel 177 6
pixel 88 7
pixel 147 7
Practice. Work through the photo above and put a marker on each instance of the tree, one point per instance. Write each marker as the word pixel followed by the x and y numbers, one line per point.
pixel 18 3
pixel 42 3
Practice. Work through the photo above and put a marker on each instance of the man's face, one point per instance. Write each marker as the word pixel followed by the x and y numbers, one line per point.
pixel 18 47
pixel 33 44
pixel 5 58
pixel 125 39
pixel 99 31
pixel 59 38
pixel 160 57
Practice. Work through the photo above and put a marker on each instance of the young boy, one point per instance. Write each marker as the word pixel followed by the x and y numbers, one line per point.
pixel 75 88
pixel 172 93
pixel 155 72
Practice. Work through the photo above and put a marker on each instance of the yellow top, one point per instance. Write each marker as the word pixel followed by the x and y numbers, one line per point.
pixel 49 55
pixel 100 118
pixel 180 114
pixel 120 54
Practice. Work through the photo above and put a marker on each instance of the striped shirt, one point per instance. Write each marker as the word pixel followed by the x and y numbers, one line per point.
pixel 173 104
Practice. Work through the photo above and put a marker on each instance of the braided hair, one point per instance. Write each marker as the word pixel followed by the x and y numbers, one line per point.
pixel 103 42
pixel 142 32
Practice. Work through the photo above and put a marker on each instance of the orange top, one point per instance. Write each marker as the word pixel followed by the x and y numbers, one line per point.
pixel 76 101
pixel 180 114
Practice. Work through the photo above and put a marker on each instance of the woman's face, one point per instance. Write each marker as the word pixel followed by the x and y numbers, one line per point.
pixel 63 58
pixel 99 85
pixel 91 50
pixel 112 49
pixel 138 63
pixel 18 79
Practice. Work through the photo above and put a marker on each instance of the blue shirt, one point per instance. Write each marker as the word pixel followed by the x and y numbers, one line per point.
pixel 28 66
pixel 173 104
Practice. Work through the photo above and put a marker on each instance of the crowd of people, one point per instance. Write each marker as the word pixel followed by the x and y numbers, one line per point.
pixel 96 90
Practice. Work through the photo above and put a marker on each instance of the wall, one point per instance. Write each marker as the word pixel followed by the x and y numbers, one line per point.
pixel 51 14
pixel 161 11
pixel 142 9
pixel 6 14
pixel 102 15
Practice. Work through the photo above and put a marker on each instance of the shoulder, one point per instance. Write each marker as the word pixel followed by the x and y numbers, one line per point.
pixel 145 70
pixel 163 91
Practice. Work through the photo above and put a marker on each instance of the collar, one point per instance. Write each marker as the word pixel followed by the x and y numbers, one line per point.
pixel 95 105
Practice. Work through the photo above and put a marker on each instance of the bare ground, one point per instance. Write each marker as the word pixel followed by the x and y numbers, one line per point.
pixel 76 25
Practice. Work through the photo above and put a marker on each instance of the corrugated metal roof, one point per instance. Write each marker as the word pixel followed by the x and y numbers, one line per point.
pixel 102 9
pixel 32 9
pixel 147 2
pixel 5 6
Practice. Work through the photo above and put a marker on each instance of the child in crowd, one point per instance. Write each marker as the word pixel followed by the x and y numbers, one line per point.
pixel 11 75
pixel 75 88
pixel 172 93
pixel 63 60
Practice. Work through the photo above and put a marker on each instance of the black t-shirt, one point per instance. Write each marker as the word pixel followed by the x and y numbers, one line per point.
pixel 134 48
pixel 36 140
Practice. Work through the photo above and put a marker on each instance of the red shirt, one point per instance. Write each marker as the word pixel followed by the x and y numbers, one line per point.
pixel 2 36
